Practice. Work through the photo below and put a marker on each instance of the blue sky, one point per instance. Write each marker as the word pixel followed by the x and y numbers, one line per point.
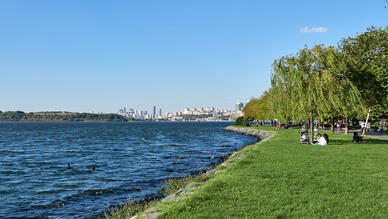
pixel 104 55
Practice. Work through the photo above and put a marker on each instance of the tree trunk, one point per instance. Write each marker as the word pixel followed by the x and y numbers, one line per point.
pixel 311 128
pixel 332 125
pixel 346 126
pixel 366 123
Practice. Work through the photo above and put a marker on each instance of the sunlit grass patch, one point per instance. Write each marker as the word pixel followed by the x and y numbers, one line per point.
pixel 281 178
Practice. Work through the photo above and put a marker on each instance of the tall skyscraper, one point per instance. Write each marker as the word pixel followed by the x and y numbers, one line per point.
pixel 239 106
pixel 154 112
pixel 160 112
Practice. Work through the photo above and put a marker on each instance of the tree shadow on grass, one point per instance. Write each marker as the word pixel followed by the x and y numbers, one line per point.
pixel 337 142
pixel 374 141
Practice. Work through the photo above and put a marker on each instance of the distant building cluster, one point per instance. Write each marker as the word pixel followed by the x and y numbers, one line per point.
pixel 141 114
pixel 193 114
pixel 204 114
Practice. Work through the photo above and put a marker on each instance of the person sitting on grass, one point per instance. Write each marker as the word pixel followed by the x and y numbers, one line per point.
pixel 321 140
pixel 326 138
pixel 356 138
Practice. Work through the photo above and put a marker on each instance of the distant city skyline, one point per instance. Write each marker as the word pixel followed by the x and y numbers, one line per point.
pixel 84 56
pixel 148 110
pixel 209 114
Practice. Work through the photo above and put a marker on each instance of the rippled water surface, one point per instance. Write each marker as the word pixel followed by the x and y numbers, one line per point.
pixel 109 163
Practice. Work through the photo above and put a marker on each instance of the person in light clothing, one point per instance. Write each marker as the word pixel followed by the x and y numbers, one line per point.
pixel 321 140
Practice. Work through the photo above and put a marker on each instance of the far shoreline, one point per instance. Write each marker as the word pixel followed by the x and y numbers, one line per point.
pixel 131 121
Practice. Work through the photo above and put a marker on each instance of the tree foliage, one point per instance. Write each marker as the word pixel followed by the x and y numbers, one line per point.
pixel 328 82
pixel 366 60
pixel 258 108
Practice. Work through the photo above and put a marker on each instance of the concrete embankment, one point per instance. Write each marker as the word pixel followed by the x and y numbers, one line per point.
pixel 249 131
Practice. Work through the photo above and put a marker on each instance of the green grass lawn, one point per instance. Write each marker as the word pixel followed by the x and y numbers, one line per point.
pixel 279 178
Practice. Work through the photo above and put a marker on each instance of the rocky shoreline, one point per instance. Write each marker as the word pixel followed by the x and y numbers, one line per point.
pixel 249 131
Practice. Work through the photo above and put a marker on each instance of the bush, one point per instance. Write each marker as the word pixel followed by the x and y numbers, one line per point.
pixel 129 209
pixel 242 121
pixel 174 184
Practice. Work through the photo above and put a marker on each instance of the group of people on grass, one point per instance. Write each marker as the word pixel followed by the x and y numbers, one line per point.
pixel 324 139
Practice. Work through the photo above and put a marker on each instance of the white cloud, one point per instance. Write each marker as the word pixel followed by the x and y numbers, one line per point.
pixel 313 30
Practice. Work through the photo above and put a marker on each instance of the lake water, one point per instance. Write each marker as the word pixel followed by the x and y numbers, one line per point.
pixel 110 162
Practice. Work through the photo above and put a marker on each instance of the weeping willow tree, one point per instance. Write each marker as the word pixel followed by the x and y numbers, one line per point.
pixel 341 98
pixel 294 87
pixel 282 93
pixel 311 85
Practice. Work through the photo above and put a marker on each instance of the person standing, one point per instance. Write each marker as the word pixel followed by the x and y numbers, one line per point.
pixel 362 125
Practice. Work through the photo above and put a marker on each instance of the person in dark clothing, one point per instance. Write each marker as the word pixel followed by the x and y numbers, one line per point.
pixel 356 138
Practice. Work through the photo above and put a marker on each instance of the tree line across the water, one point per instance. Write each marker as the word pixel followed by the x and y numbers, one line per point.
pixel 328 83
pixel 59 116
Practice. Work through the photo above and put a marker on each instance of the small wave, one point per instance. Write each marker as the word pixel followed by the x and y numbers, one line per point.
pixel 109 191
pixel 54 191
pixel 100 191
pixel 169 170
pixel 54 204
pixel 12 172
pixel 71 186
pixel 176 145
pixel 5 192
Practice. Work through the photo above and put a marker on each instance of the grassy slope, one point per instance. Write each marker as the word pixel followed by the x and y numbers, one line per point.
pixel 280 178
